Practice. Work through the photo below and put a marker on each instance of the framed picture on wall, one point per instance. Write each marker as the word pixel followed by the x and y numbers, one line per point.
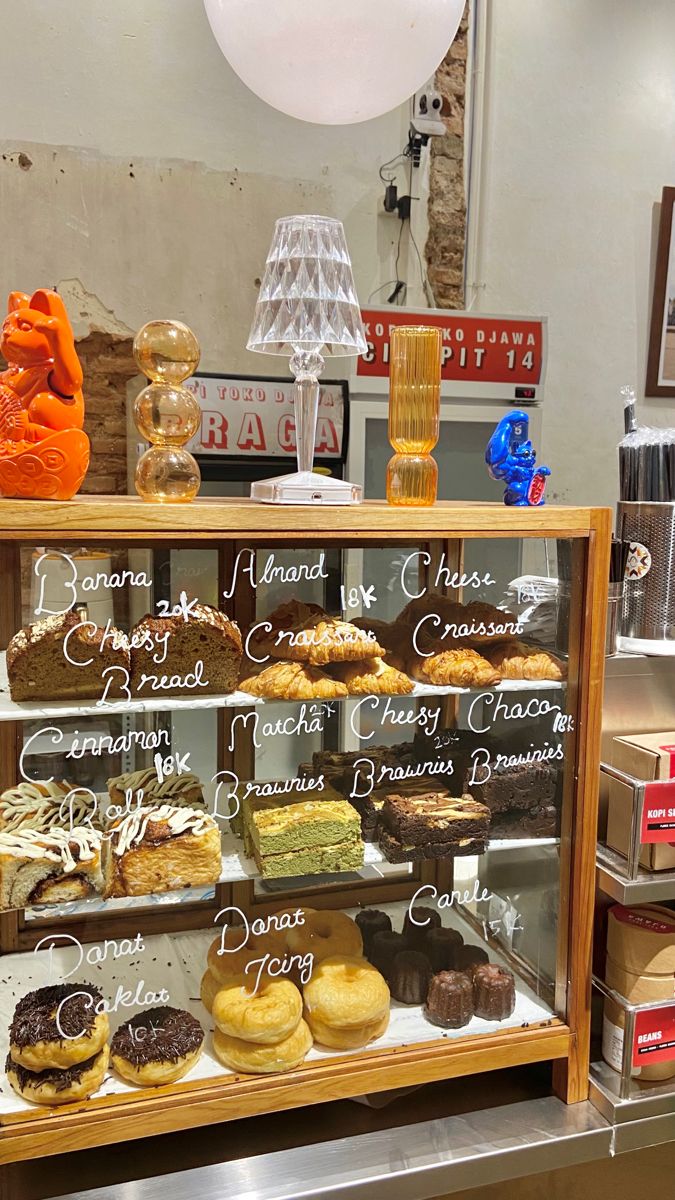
pixel 661 357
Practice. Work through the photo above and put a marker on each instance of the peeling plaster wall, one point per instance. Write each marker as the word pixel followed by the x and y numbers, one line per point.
pixel 138 165
pixel 140 177
pixel 172 239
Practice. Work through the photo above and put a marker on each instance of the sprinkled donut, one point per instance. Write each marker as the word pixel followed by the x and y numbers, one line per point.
pixel 58 1026
pixel 157 1046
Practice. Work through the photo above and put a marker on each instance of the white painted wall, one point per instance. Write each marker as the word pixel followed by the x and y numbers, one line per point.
pixel 579 143
pixel 157 175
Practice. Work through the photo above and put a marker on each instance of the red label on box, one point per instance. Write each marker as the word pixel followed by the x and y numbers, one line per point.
pixel 654 1038
pixel 474 348
pixel 658 813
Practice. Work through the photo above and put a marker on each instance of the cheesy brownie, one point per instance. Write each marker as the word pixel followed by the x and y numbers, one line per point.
pixel 396 851
pixel 434 817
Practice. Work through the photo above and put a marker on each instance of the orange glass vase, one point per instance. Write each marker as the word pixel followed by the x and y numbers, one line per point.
pixel 414 413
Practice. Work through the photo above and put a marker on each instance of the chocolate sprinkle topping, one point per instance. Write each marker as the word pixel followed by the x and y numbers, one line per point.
pixel 60 1079
pixel 161 1034
pixel 35 1016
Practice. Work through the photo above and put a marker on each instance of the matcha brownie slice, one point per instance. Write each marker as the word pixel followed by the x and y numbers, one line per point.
pixel 314 860
pixel 300 826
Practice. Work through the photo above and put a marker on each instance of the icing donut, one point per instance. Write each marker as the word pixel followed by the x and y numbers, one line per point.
pixel 345 993
pixel 225 960
pixel 157 1046
pixel 253 1058
pixel 55 1027
pixel 208 990
pixel 325 934
pixel 266 1016
pixel 53 1086
pixel 347 1038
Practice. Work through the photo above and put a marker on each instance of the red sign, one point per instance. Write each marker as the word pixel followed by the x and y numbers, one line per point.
pixel 658 813
pixel 654 1039
pixel 242 416
pixel 475 349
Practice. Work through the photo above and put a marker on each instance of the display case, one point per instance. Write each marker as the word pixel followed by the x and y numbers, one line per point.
pixel 314 789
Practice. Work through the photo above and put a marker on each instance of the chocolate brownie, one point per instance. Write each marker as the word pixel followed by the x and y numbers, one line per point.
pixel 538 822
pixel 528 785
pixel 370 807
pixel 396 851
pixel 416 820
pixel 341 767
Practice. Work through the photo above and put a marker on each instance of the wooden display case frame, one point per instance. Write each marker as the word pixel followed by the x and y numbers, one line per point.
pixel 226 522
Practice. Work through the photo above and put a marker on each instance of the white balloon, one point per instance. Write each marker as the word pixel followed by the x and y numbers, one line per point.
pixel 334 62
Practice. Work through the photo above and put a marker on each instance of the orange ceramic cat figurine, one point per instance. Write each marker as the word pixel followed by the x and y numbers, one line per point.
pixel 44 453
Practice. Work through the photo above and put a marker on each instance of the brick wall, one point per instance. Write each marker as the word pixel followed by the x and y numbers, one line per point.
pixel 447 206
pixel 108 365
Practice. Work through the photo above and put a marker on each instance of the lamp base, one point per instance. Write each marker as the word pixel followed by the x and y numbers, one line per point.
pixel 306 487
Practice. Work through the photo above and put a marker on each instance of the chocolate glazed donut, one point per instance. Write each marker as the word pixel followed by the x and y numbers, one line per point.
pixel 57 1027
pixel 157 1046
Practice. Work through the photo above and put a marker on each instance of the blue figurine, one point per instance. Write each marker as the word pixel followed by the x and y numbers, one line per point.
pixel 510 457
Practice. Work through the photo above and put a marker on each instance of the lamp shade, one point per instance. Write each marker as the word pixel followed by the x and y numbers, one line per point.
pixel 334 62
pixel 307 299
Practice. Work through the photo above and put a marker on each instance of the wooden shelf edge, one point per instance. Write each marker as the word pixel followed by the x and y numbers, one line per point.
pixel 170 1109
pixel 129 516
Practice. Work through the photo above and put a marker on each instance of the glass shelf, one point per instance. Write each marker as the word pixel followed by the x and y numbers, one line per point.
pixel 11 711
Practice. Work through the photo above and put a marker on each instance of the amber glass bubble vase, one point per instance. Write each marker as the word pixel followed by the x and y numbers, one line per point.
pixel 167 414
pixel 414 413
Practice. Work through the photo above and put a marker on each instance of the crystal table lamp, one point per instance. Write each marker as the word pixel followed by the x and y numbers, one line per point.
pixel 307 304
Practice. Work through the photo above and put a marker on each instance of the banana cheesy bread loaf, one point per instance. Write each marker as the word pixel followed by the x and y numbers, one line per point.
pixel 196 654
pixel 66 657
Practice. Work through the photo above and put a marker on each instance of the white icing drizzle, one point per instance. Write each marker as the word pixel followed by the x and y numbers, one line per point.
pixel 68 847
pixel 132 829
pixel 146 781
pixel 40 805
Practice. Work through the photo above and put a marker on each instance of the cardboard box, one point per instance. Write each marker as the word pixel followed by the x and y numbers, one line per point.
pixel 645 756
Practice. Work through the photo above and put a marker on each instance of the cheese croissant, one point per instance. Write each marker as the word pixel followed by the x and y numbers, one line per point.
pixel 515 660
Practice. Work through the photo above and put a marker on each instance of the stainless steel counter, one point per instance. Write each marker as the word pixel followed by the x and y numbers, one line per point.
pixel 415 1162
